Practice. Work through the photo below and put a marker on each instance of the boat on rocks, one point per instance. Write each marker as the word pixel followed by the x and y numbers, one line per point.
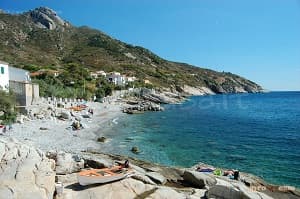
pixel 100 176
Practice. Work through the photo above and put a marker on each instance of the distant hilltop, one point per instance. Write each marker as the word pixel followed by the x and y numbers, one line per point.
pixel 41 38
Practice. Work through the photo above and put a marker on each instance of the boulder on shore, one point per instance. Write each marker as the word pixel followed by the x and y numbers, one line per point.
pixel 198 180
pixel 156 177
pixel 67 163
pixel 234 191
pixel 25 172
pixel 101 139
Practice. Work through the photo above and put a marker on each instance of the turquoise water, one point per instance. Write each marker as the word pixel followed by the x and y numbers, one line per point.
pixel 256 133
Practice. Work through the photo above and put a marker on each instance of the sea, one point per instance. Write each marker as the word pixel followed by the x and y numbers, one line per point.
pixel 255 133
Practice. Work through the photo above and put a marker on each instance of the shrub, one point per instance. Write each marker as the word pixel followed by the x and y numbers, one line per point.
pixel 7 107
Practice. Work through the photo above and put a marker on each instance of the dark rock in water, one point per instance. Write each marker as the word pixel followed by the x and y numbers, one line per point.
pixel 101 139
pixel 129 139
pixel 135 150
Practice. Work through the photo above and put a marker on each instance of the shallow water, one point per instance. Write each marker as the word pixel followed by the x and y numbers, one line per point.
pixel 256 133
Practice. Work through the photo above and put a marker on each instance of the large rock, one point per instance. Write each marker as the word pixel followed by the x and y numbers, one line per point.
pixel 234 190
pixel 68 178
pixel 97 162
pixel 224 192
pixel 65 114
pixel 198 179
pixel 25 172
pixel 156 177
pixel 124 189
pixel 166 193
pixel 66 163
pixel 143 178
pixel 46 18
pixel 197 91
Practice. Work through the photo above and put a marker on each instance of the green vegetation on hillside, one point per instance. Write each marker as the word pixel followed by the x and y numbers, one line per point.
pixel 8 102
pixel 25 45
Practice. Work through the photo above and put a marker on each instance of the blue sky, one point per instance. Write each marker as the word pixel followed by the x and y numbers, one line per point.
pixel 258 39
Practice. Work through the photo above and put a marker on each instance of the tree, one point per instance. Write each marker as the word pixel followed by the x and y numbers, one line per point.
pixel 7 107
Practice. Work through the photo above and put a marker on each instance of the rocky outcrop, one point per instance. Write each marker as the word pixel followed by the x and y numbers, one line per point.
pixel 141 106
pixel 67 163
pixel 44 17
pixel 234 190
pixel 125 189
pixel 233 84
pixel 25 172
pixel 198 179
pixel 156 177
pixel 197 91
pixel 161 97
pixel 151 100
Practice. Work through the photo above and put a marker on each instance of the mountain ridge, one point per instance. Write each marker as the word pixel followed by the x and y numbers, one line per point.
pixel 41 38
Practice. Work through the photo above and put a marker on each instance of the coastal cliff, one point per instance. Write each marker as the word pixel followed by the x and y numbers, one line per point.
pixel 40 39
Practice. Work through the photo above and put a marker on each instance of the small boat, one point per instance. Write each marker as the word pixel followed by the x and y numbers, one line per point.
pixel 95 176
pixel 75 108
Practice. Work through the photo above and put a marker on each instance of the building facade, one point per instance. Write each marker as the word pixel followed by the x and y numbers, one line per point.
pixel 19 75
pixel 25 92
pixel 4 75
pixel 18 81
pixel 116 78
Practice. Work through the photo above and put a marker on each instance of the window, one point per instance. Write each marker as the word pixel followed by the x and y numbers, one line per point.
pixel 2 70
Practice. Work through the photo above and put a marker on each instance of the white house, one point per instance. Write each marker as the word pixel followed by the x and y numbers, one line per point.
pixel 116 78
pixel 101 72
pixel 94 75
pixel 18 80
pixel 130 79
pixel 19 75
pixel 4 75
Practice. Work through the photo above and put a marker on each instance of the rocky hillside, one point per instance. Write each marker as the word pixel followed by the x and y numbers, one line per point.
pixel 40 38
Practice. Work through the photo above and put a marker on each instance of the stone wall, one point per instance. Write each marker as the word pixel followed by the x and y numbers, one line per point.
pixel 25 92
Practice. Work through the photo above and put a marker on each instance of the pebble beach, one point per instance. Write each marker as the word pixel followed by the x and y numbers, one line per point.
pixel 56 134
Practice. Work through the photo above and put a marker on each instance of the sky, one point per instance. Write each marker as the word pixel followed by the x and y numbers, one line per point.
pixel 257 39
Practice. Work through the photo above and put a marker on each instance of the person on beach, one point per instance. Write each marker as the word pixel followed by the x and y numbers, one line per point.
pixel 232 174
pixel 205 169
pixel 4 129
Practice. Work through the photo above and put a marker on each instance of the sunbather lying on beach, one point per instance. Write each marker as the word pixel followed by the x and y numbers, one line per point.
pixel 205 169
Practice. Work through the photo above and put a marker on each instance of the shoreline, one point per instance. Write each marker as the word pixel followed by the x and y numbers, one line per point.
pixel 57 134
pixel 58 138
